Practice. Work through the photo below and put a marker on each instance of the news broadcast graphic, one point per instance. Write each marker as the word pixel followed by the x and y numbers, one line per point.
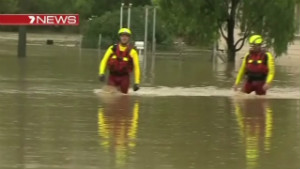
pixel 40 19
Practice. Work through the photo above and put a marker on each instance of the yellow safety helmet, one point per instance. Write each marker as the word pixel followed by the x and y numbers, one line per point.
pixel 125 31
pixel 256 40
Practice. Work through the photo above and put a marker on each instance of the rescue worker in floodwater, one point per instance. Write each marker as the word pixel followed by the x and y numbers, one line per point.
pixel 258 66
pixel 121 59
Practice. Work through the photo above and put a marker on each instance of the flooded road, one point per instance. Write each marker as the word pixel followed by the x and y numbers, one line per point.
pixel 185 116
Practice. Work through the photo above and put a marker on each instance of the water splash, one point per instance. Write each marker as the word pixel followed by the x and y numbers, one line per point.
pixel 209 91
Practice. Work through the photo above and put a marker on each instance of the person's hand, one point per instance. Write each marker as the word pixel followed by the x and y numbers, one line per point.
pixel 136 87
pixel 235 87
pixel 266 86
pixel 101 78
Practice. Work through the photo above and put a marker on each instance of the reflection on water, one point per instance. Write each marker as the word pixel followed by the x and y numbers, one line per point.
pixel 255 121
pixel 117 128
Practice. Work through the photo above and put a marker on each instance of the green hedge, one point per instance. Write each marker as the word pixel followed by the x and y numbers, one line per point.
pixel 108 25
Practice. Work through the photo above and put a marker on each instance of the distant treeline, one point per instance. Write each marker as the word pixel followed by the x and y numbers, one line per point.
pixel 96 17
pixel 86 8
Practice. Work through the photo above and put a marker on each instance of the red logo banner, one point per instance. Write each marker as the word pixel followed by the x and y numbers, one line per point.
pixel 40 19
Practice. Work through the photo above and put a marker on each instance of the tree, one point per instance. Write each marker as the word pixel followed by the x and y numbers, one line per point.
pixel 109 24
pixel 83 7
pixel 101 7
pixel 205 21
pixel 8 6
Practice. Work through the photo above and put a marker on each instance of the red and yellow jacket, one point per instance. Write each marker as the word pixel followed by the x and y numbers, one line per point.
pixel 270 66
pixel 133 54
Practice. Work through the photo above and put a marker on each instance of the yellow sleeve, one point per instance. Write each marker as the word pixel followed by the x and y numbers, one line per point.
pixel 136 65
pixel 102 66
pixel 241 71
pixel 271 67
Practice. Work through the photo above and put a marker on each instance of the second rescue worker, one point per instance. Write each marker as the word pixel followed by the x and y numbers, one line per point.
pixel 258 65
pixel 121 59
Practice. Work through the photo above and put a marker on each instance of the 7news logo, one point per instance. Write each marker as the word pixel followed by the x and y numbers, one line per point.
pixel 53 19
pixel 39 19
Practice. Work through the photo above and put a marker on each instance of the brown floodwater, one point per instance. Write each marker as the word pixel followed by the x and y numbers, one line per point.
pixel 185 116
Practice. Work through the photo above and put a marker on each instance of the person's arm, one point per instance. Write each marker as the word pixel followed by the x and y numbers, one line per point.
pixel 102 66
pixel 271 68
pixel 136 66
pixel 241 71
